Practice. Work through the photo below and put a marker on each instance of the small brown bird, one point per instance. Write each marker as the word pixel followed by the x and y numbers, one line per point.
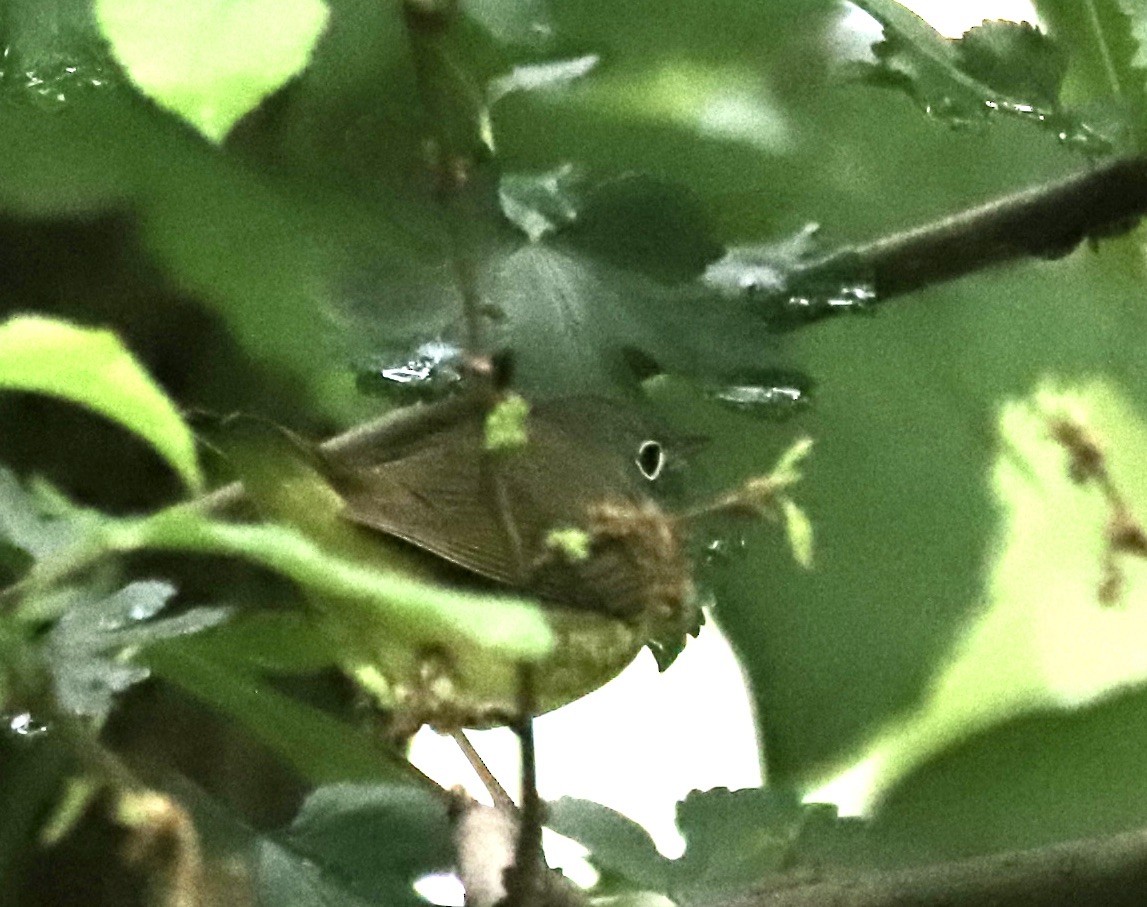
pixel 569 515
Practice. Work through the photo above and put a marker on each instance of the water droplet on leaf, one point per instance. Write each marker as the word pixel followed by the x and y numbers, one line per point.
pixel 430 371
pixel 772 401
pixel 23 725
pixel 724 550
pixel 51 85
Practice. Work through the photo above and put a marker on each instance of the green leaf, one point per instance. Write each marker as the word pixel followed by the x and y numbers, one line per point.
pixel 92 367
pixel 1137 14
pixel 616 843
pixel 998 67
pixel 52 56
pixel 284 877
pixel 1048 637
pixel 89 649
pixel 211 61
pixel 375 840
pixel 733 839
pixel 320 747
pixel 644 224
pixel 540 203
pixel 277 642
pixel 737 840
pixel 799 532
pixel 418 612
pixel 1016 59
pixel 1108 62
pixel 1029 782
pixel 514 22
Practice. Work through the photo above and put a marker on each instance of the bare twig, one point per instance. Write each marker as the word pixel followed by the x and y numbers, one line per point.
pixel 502 800
pixel 524 885
pixel 1045 221
pixel 454 108
pixel 1111 871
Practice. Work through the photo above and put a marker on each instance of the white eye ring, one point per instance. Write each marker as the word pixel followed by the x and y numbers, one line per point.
pixel 650 459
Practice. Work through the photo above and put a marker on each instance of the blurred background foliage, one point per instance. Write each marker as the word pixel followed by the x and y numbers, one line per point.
pixel 281 264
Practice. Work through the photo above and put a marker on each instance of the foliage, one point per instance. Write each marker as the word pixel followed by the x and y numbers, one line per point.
pixel 246 197
pixel 92 368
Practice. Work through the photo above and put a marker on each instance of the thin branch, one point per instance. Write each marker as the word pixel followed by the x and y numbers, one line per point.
pixel 502 800
pixel 1111 871
pixel 454 109
pixel 525 884
pixel 1046 221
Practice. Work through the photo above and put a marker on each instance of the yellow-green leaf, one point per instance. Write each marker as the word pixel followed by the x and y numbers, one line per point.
pixel 1046 637
pixel 93 368
pixel 506 424
pixel 211 62
pixel 413 610
pixel 798 530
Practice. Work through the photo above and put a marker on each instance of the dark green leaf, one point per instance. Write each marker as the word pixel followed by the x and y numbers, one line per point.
pixel 1033 781
pixel 736 840
pixel 575 322
pixel 52 54
pixel 616 844
pixel 319 746
pixel 35 773
pixel 1016 59
pixel 1138 16
pixel 375 840
pixel 275 642
pixel 526 23
pixel 645 226
pixel 1108 66
pixel 999 67
pixel 284 877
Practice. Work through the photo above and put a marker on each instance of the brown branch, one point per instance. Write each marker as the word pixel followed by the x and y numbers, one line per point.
pixel 1046 221
pixel 1111 871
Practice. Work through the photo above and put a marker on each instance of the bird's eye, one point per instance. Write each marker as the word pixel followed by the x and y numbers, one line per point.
pixel 651 459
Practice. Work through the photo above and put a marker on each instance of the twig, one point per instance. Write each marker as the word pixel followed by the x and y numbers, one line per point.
pixel 502 800
pixel 453 108
pixel 1045 221
pixel 525 882
pixel 1111 871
